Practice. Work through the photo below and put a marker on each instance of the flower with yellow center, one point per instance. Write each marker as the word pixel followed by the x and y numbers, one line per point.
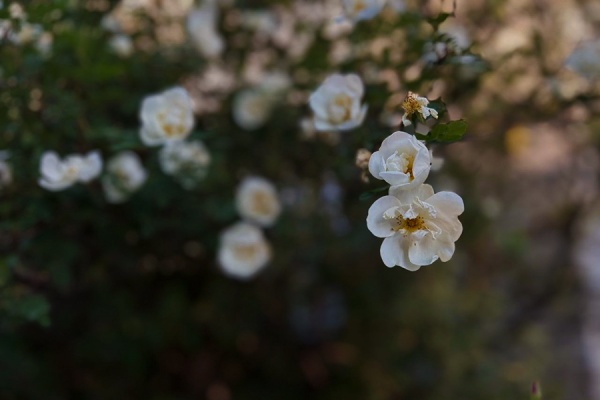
pixel 418 226
pixel 59 174
pixel 336 103
pixel 415 104
pixel 125 175
pixel 257 201
pixel 166 117
pixel 402 161
pixel 243 251
pixel 356 10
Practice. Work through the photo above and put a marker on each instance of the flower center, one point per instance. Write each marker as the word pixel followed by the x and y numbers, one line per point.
pixel 408 225
pixel 341 107
pixel 411 104
pixel 171 122
pixel 261 203
pixel 359 6
pixel 401 162
pixel 245 251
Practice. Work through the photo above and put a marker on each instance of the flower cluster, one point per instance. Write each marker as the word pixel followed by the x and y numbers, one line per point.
pixel 418 226
pixel 244 251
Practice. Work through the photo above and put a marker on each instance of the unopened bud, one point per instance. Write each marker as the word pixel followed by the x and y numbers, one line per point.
pixel 536 391
pixel 362 158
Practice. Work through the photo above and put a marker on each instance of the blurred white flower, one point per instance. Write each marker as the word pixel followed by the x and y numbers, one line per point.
pixel 6 174
pixel 415 104
pixel 44 43
pixel 59 174
pixel 243 251
pixel 16 11
pixel 257 201
pixel 419 226
pixel 166 117
pixel 121 44
pixel 203 31
pixel 357 10
pixel 336 103
pixel 252 107
pixel 125 175
pixel 27 33
pixel 402 161
pixel 187 161
pixel 585 60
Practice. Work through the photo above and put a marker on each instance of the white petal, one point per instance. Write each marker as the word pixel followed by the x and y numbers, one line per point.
pixel 397 140
pixel 448 203
pixel 423 251
pixel 393 252
pixel 446 250
pixel 422 164
pixel 396 178
pixel 379 226
pixel 422 191
pixel 54 185
pixel 150 137
pixel 376 165
pixel 91 168
pixel 51 166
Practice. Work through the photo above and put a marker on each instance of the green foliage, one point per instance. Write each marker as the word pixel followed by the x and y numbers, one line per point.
pixel 106 301
pixel 445 132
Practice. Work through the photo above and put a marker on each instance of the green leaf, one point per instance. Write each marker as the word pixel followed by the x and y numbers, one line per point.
pixel 437 21
pixel 367 195
pixel 445 133
pixel 34 308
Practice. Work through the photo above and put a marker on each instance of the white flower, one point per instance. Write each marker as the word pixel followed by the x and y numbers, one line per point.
pixel 166 117
pixel 252 107
pixel 202 28
pixel 419 226
pixel 59 174
pixel 336 103
pixel 414 104
pixel 188 161
pixel 257 201
pixel 121 45
pixel 357 10
pixel 243 251
pixel 125 175
pixel 402 161
pixel 585 60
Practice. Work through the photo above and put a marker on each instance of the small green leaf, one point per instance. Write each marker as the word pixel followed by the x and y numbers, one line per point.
pixel 445 133
pixel 367 195
pixel 437 21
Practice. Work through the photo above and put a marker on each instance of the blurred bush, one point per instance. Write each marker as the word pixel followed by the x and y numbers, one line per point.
pixel 99 300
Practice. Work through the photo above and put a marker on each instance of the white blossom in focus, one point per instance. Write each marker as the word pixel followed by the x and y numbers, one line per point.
pixel 125 175
pixel 336 103
pixel 415 104
pixel 203 31
pixel 585 60
pixel 356 10
pixel 418 226
pixel 122 45
pixel 166 117
pixel 187 161
pixel 257 201
pixel 402 161
pixel 59 174
pixel 243 251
